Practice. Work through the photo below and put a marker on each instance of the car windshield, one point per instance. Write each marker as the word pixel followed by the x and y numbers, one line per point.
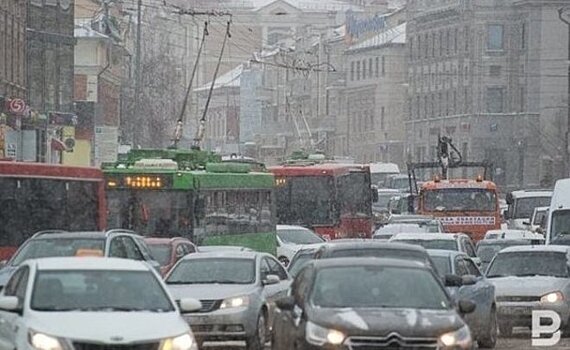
pixel 560 225
pixel 377 287
pixel 486 252
pixel 523 264
pixel 213 271
pixel 58 247
pixel 462 199
pixel 524 207
pixel 442 244
pixel 98 290
pixel 298 236
pixel 442 264
pixel 161 253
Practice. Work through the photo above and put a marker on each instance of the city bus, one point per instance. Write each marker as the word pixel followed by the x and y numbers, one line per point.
pixel 38 196
pixel 463 205
pixel 192 194
pixel 334 200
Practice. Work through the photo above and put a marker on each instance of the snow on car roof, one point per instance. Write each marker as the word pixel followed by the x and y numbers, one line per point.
pixel 89 263
pixel 291 227
pixel 426 236
pixel 537 248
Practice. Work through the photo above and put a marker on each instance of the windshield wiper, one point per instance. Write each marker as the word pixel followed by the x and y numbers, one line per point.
pixel 497 276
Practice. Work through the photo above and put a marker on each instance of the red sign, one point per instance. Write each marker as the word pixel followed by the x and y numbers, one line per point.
pixel 17 106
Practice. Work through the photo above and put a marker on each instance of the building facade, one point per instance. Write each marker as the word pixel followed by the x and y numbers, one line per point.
pixel 477 72
pixel 13 19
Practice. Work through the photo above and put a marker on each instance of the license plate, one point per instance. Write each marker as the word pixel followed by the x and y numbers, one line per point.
pixel 516 310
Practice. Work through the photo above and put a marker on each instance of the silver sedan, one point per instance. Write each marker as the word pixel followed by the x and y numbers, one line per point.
pixel 237 291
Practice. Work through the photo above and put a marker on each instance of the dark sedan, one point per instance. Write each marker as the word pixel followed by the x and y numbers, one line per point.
pixel 354 303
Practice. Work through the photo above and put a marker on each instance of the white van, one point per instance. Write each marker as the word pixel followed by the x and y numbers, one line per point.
pixel 522 204
pixel 379 172
pixel 558 229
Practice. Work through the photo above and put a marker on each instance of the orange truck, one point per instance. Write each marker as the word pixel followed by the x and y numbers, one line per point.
pixel 463 205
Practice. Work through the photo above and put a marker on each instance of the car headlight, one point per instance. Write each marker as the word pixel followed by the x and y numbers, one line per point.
pixel 229 303
pixel 317 335
pixel 553 297
pixel 185 341
pixel 460 338
pixel 41 341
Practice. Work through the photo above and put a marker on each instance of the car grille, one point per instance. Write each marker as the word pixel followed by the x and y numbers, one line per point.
pixel 207 305
pixel 98 346
pixel 392 341
pixel 514 298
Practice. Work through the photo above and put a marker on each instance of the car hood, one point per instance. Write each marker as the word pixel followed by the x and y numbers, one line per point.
pixel 527 286
pixel 5 274
pixel 103 326
pixel 209 291
pixel 381 322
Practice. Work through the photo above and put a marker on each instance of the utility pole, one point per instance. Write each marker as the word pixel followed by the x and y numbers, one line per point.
pixel 564 14
pixel 137 122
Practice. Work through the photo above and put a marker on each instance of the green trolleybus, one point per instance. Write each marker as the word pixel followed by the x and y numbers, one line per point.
pixel 192 194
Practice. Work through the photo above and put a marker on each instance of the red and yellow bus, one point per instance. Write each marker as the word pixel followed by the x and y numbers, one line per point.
pixel 37 196
pixel 462 205
pixel 334 200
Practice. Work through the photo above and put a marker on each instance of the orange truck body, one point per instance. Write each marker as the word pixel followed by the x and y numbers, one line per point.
pixel 474 223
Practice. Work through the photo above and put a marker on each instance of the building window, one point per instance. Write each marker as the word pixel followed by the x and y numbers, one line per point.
pixel 383 65
pixel 522 99
pixel 495 71
pixel 419 55
pixel 523 36
pixel 377 66
pixel 454 102
pixel 441 45
pixel 495 37
pixel 448 42
pixel 426 46
pixel 418 108
pixel 432 44
pixel 426 107
pixel 370 68
pixel 466 101
pixel 411 51
pixel 495 99
pixel 455 37
pixel 352 71
pixel 363 69
pixel 440 104
pixel 382 125
pixel 357 70
pixel 467 37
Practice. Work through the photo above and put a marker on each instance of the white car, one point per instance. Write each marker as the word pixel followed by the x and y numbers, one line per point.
pixel 290 239
pixel 88 303
pixel 514 234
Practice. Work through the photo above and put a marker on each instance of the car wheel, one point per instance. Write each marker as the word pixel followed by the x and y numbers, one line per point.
pixel 489 339
pixel 506 329
pixel 283 260
pixel 257 341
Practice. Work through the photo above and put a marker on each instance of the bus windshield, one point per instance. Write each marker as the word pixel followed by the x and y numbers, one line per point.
pixel 525 206
pixel 306 200
pixel 460 199
pixel 151 212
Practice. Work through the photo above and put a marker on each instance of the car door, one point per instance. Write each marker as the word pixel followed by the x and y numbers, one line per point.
pixel 290 325
pixel 478 293
pixel 11 322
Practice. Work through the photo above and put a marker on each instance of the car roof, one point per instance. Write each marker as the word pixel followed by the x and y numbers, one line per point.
pixel 537 248
pixel 77 234
pixel 291 227
pixel 88 263
pixel 373 244
pixel 428 236
pixel 503 241
pixel 164 240
pixel 363 261
pixel 532 193
pixel 222 248
pixel 445 253
pixel 246 254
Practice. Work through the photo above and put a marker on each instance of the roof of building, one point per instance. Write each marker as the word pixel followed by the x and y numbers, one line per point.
pixel 394 35
pixel 228 79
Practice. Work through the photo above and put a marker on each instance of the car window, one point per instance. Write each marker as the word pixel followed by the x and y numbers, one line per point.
pixel 460 267
pixel 118 248
pixel 133 251
pixel 301 285
pixel 469 249
pixel 275 268
pixel 143 247
pixel 190 248
pixel 263 269
pixel 472 268
pixel 18 284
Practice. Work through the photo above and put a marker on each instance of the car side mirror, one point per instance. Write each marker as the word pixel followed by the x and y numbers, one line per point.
pixel 468 280
pixel 466 306
pixel 271 279
pixel 190 305
pixel 453 281
pixel 375 196
pixel 9 303
pixel 287 303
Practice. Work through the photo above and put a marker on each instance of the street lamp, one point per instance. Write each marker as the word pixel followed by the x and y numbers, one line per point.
pixel 564 14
